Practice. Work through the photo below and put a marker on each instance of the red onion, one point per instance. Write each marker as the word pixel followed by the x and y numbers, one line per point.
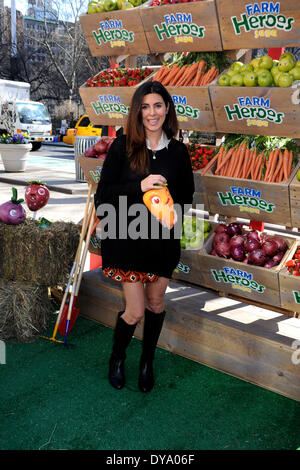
pixel 270 247
pixel 257 257
pixel 221 237
pixel 234 229
pixel 237 253
pixel 251 244
pixel 221 228
pixel 281 243
pixel 100 147
pixel 278 257
pixel 213 252
pixel 90 152
pixel 270 264
pixel 102 157
pixel 236 241
pixel 222 249
pixel 253 235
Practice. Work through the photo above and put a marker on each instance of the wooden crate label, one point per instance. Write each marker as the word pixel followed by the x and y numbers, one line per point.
pixel 183 268
pixel 296 295
pixel 247 199
pixel 91 168
pixel 111 105
pixel 115 32
pixel 257 111
pixel 184 109
pixel 188 27
pixel 112 31
pixel 180 27
pixel 258 24
pixel 239 279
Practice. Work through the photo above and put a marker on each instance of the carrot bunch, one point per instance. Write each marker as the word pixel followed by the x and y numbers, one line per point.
pixel 196 74
pixel 245 162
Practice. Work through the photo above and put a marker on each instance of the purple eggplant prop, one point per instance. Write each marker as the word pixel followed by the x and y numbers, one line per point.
pixel 12 212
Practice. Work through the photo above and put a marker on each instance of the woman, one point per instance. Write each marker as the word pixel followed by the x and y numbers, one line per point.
pixel 147 157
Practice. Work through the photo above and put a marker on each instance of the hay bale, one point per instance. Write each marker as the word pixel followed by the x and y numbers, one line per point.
pixel 25 311
pixel 42 256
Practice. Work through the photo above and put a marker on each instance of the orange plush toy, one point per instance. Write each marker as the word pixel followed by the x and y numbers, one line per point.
pixel 160 204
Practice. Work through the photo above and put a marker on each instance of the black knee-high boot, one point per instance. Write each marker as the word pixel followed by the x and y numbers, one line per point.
pixel 153 323
pixel 122 337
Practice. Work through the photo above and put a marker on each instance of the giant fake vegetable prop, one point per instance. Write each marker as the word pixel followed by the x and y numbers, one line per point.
pixel 160 204
pixel 36 195
pixel 12 212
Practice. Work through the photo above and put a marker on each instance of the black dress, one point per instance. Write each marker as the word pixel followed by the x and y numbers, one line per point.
pixel 157 256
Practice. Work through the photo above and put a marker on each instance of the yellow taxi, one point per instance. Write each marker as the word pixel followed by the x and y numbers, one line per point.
pixel 82 127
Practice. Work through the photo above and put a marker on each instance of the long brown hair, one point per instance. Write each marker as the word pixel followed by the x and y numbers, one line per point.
pixel 135 132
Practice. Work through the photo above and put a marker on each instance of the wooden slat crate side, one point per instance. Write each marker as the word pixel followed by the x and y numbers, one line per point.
pixel 289 287
pixel 115 33
pixel 193 108
pixel 295 202
pixel 188 268
pixel 250 33
pixel 91 168
pixel 268 202
pixel 247 281
pixel 256 110
pixel 188 27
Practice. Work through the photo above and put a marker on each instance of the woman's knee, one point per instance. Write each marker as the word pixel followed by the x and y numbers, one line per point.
pixel 133 316
pixel 155 303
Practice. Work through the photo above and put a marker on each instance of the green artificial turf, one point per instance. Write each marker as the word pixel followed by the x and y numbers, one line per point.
pixel 54 397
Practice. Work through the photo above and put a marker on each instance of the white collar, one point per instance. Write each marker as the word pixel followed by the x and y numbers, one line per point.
pixel 163 142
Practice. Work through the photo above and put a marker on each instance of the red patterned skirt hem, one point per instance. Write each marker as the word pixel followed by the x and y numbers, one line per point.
pixel 129 276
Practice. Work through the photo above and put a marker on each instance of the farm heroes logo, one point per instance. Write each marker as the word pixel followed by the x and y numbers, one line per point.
pixel 183 110
pixel 112 31
pixel 238 279
pixel 247 199
pixel 264 19
pixel 110 104
pixel 257 110
pixel 180 26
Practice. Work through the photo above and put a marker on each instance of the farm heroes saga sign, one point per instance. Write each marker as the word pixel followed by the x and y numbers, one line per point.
pixel 179 26
pixel 247 199
pixel 264 19
pixel 256 110
pixel 113 32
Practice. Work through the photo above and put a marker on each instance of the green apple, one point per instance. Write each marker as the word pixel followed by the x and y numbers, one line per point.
pixel 276 78
pixel 110 5
pixel 100 6
pixel 297 64
pixel 250 79
pixel 286 64
pixel 206 227
pixel 92 7
pixel 285 80
pixel 237 80
pixel 230 73
pixel 135 3
pixel 265 78
pixel 189 231
pixel 295 72
pixel 258 71
pixel 298 175
pixel 265 62
pixel 287 54
pixel 120 4
pixel 126 5
pixel 255 62
pixel 236 66
pixel 246 68
pixel 196 242
pixel 224 80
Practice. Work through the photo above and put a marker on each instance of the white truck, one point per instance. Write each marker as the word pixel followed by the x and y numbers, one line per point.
pixel 19 114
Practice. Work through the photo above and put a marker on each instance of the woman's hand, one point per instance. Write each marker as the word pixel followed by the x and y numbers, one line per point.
pixel 152 181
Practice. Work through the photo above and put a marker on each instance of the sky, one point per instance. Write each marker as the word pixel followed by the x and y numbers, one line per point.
pixel 21 5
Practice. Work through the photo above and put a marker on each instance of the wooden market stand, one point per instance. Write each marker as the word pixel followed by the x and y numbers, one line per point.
pixel 195 327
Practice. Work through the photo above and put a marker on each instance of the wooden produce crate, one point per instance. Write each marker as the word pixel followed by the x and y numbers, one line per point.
pixel 247 199
pixel 240 279
pixel 182 27
pixel 259 25
pixel 91 168
pixel 290 287
pixel 295 202
pixel 256 110
pixel 108 105
pixel 193 107
pixel 115 33
pixel 200 195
